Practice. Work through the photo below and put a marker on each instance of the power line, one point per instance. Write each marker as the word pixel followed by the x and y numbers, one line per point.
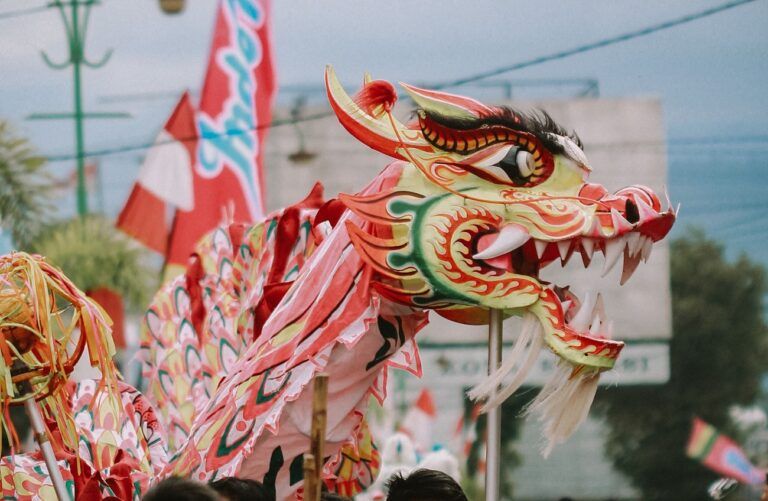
pixel 22 12
pixel 703 141
pixel 597 45
pixel 455 83
pixel 226 133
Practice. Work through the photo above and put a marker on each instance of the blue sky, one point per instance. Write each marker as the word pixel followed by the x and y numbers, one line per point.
pixel 710 75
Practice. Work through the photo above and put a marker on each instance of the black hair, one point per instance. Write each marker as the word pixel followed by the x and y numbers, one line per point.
pixel 424 485
pixel 332 496
pixel 241 489
pixel 180 489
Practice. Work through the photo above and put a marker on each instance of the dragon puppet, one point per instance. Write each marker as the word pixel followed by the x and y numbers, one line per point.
pixel 477 201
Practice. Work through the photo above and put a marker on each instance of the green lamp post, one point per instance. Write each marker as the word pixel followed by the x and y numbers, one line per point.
pixel 75 15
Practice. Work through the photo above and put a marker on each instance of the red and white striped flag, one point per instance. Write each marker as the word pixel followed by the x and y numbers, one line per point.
pixel 165 179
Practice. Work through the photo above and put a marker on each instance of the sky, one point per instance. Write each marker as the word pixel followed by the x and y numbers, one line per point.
pixel 710 75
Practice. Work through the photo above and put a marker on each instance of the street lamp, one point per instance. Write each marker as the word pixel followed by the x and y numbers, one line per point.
pixel 172 6
pixel 75 24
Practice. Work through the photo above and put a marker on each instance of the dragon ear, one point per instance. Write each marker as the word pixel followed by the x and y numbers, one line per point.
pixel 368 118
pixel 445 104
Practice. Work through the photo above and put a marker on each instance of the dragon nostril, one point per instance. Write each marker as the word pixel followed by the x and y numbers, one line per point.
pixel 631 213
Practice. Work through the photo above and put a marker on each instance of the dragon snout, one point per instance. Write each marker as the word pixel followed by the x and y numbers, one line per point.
pixel 634 208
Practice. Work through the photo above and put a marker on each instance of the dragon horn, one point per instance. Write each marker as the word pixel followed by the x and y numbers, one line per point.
pixel 374 131
pixel 443 103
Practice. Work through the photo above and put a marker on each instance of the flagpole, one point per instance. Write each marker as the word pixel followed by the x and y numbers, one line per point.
pixel 493 433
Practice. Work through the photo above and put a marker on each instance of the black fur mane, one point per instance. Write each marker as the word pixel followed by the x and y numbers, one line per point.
pixel 538 122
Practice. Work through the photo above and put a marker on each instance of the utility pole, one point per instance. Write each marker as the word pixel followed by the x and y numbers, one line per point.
pixel 75 15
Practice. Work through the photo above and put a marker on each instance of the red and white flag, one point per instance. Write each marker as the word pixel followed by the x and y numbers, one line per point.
pixel 225 161
pixel 165 179
pixel 419 421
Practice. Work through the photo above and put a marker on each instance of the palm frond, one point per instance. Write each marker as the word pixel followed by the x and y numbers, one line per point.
pixel 25 187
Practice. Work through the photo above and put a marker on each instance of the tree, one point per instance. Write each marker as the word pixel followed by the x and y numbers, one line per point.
pixel 25 187
pixel 93 254
pixel 717 356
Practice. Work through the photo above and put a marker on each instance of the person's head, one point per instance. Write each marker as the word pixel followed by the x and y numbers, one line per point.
pixel 240 489
pixel 332 496
pixel 424 485
pixel 180 489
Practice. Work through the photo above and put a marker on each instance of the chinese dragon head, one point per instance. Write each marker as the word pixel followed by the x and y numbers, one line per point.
pixel 486 198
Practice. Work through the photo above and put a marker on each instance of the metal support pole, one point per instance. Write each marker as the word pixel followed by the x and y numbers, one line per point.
pixel 493 441
pixel 38 427
pixel 76 57
pixel 75 27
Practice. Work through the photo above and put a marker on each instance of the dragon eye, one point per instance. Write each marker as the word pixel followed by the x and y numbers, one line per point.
pixel 525 163
pixel 517 164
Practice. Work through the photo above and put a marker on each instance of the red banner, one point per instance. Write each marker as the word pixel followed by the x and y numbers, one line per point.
pixel 235 105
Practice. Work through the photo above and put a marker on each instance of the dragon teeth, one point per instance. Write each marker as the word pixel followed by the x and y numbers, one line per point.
pixel 613 249
pixel 541 246
pixel 646 211
pixel 620 224
pixel 600 306
pixel 645 252
pixel 634 243
pixel 584 315
pixel 562 247
pixel 630 265
pixel 511 237
pixel 608 331
pixel 588 245
pixel 594 328
pixel 666 198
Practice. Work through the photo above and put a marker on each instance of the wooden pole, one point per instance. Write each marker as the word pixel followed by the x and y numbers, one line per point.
pixel 310 479
pixel 317 438
pixel 493 443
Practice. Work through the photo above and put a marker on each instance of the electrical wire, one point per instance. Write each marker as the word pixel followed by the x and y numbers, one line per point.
pixel 598 44
pixel 22 12
pixel 455 83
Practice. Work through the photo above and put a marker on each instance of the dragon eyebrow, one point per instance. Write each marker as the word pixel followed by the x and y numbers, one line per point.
pixel 537 122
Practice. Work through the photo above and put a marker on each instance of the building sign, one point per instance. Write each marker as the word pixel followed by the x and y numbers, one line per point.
pixel 463 365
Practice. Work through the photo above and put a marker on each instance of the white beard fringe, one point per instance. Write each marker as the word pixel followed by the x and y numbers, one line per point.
pixel 563 403
pixel 522 358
